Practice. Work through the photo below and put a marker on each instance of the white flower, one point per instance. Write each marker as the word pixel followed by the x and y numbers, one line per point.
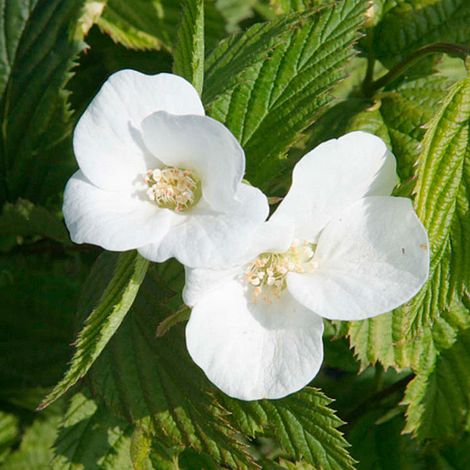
pixel 338 246
pixel 157 175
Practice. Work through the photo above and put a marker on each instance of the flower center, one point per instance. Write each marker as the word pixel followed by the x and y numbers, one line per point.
pixel 173 188
pixel 267 274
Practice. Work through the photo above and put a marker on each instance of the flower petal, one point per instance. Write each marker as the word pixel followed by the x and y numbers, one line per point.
pixel 334 175
pixel 200 144
pixel 116 221
pixel 213 240
pixel 371 259
pixel 107 140
pixel 254 351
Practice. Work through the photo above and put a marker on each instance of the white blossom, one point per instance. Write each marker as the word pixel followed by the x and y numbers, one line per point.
pixel 338 247
pixel 159 176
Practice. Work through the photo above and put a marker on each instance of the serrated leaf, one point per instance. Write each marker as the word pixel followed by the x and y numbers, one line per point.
pixel 411 24
pixel 438 398
pixel 90 437
pixel 442 204
pixel 189 53
pixel 38 51
pixel 282 93
pixel 104 319
pixel 25 219
pixel 303 424
pixel 153 382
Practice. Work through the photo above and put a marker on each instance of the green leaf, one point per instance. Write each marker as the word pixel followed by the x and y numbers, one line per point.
pixel 38 51
pixel 189 53
pixel 438 398
pixel 303 424
pixel 235 11
pixel 35 448
pixel 282 93
pixel 152 24
pixel 239 52
pixel 154 383
pixel 104 319
pixel 8 433
pixel 382 446
pixel 25 219
pixel 452 457
pixel 39 296
pixel 411 24
pixel 90 437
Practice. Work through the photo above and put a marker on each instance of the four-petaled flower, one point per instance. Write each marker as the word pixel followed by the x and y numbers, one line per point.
pixel 338 247
pixel 158 176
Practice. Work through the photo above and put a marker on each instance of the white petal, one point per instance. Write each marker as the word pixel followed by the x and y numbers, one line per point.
pixel 213 240
pixel 334 175
pixel 203 145
pixel 254 351
pixel 201 281
pixel 371 259
pixel 107 141
pixel 116 221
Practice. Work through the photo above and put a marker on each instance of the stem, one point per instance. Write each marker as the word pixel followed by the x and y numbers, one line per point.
pixel 452 49
pixel 375 399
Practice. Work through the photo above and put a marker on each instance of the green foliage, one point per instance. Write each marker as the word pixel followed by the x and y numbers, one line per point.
pixel 381 446
pixel 303 424
pixel 287 80
pixel 38 51
pixel 438 398
pixel 284 90
pixel 91 438
pixel 152 24
pixel 105 317
pixel 154 382
pixel 189 53
pixel 39 298
pixel 411 24
pixel 35 447
pixel 24 219
pixel 8 433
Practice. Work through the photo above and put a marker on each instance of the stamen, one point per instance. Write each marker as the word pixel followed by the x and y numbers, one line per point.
pixel 267 274
pixel 173 188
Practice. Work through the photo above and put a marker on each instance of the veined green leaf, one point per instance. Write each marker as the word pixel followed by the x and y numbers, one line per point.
pixel 239 52
pixel 104 319
pixel 282 93
pixel 438 398
pixel 38 51
pixel 442 204
pixel 303 424
pixel 153 382
pixel 90 437
pixel 25 219
pixel 411 24
pixel 189 53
